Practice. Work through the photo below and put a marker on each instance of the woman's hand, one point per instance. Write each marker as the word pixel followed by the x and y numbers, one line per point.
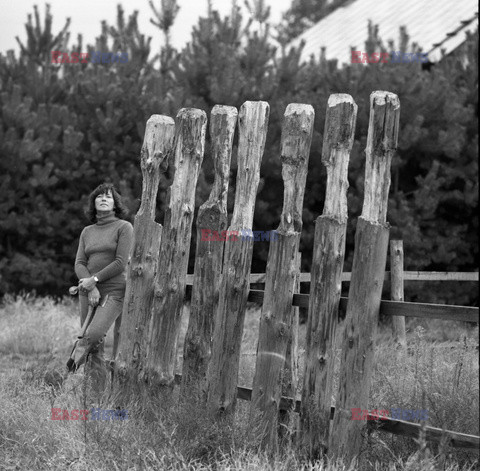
pixel 94 297
pixel 87 283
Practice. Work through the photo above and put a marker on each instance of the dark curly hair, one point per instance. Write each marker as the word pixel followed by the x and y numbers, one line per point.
pixel 118 206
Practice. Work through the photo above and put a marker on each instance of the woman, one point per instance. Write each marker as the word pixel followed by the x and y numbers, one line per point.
pixel 100 265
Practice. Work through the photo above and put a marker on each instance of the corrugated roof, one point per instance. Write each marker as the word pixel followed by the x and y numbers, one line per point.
pixel 432 24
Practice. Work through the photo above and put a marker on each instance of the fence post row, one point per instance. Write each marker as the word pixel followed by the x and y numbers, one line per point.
pixel 222 371
pixel 212 215
pixel 326 275
pixel 396 283
pixel 155 292
pixel 131 357
pixel 275 329
pixel 368 270
pixel 169 290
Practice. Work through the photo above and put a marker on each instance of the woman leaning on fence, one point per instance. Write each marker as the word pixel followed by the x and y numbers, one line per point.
pixel 100 265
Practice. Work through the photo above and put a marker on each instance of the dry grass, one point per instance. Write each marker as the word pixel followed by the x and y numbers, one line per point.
pixel 36 334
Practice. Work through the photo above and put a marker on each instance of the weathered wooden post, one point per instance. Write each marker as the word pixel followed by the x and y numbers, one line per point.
pixel 276 319
pixel 212 216
pixel 326 276
pixel 171 274
pixel 131 357
pixel 371 244
pixel 396 284
pixel 290 375
pixel 223 368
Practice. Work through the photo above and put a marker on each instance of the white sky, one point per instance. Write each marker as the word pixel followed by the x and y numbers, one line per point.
pixel 86 16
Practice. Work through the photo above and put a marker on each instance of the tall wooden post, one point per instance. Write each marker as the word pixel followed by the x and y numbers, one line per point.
pixel 223 368
pixel 396 283
pixel 212 215
pixel 326 276
pixel 131 356
pixel 291 368
pixel 175 248
pixel 371 244
pixel 276 319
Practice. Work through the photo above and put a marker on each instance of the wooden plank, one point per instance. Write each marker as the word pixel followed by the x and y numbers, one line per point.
pixel 169 288
pixel 360 326
pixel 430 311
pixel 392 308
pixel 433 434
pixel 386 425
pixel 286 422
pixel 228 330
pixel 131 360
pixel 368 272
pixel 396 308
pixel 439 276
pixel 327 268
pixel 407 276
pixel 212 215
pixel 275 328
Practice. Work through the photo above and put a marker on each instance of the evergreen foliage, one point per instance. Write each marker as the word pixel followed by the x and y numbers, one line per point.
pixel 64 128
pixel 303 14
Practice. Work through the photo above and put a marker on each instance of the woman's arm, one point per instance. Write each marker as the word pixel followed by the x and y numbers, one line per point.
pixel 81 260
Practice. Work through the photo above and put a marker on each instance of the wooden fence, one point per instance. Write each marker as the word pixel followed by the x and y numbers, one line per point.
pixel 220 288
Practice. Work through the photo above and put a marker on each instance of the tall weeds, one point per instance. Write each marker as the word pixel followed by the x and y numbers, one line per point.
pixel 35 335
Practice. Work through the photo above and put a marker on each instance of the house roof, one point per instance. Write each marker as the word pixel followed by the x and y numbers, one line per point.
pixel 432 24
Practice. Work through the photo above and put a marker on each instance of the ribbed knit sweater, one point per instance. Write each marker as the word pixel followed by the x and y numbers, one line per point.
pixel 103 252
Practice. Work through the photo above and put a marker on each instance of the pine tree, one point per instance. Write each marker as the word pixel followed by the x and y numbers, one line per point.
pixel 64 128
pixel 434 198
pixel 302 15
pixel 59 138
pixel 164 20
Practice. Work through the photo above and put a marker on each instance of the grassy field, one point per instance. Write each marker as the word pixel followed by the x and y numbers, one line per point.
pixel 439 372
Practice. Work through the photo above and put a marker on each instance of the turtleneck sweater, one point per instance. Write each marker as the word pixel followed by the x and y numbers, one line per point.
pixel 103 251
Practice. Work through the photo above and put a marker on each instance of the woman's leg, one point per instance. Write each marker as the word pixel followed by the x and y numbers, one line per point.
pixel 103 319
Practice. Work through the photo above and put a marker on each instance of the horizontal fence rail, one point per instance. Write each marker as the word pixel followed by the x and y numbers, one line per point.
pixel 386 424
pixel 437 276
pixel 407 276
pixel 431 311
pixel 388 308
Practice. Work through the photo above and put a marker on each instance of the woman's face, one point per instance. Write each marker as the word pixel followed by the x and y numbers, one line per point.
pixel 104 202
